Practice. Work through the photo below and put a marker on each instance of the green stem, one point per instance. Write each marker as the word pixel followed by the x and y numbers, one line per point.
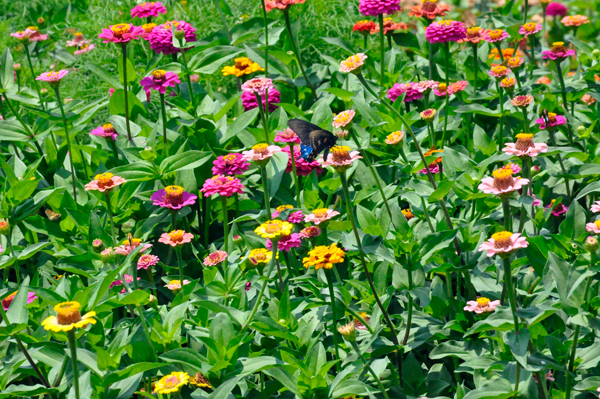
pixel 73 346
pixel 62 111
pixel 525 121
pixel 410 305
pixel 189 82
pixel 265 182
pixel 35 82
pixel 180 265
pixel 14 255
pixel 125 84
pixel 264 9
pixel 510 290
pixel 223 19
pixel 476 61
pixel 225 224
pixel 163 110
pixel 334 313
pixel 430 56
pixel 501 94
pixel 263 117
pixel 426 213
pixel 295 174
pixel 360 318
pixel 262 289
pixel 381 41
pixel 447 72
pixel 525 13
pixel 562 165
pixel 375 376
pixel 507 215
pixel 564 98
pixel 288 26
pixel 111 218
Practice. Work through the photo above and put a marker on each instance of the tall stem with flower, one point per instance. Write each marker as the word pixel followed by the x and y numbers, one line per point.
pixel 37 87
pixel 447 73
pixel 288 26
pixel 564 97
pixel 125 89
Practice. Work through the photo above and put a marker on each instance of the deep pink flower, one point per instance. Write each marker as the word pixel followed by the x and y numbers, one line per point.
pixel 53 77
pixel 8 300
pixel 148 10
pixel 553 121
pixel 378 7
pixel 287 136
pixel 249 100
pixel 215 258
pixel 258 86
pixel 558 210
pixel 119 282
pixel 294 217
pixel 414 91
pixel 445 31
pixel 303 167
pixel 481 305
pixel 111 91
pixel 502 182
pixel 176 238
pixel 558 52
pixel 320 215
pixel 104 182
pixel 499 71
pixel 121 33
pixel 434 168
pixel 146 261
pixel 161 37
pixel 230 165
pixel 159 81
pixel 496 35
pixel 173 197
pixel 556 9
pixel 24 34
pixel 310 232
pixel 503 243
pixel 222 185
pixel 286 243
pixel 107 130
pixel 248 285
pixel 530 28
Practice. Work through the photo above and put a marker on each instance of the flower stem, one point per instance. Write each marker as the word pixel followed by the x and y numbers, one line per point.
pixel 564 98
pixel 111 218
pixel 333 312
pixel 446 110
pixel 14 255
pixel 265 182
pixel 511 291
pixel 430 56
pixel 562 165
pixel 262 289
pixel 225 224
pixel 73 346
pixel 375 376
pixel 410 304
pixel 288 26
pixel 264 9
pixel 295 173
pixel 189 82
pixel 223 19
pixel 73 175
pixel 124 53
pixel 180 265
pixel 163 110
pixel 35 82
pixel 476 62
pixel 381 44
pixel 263 117
pixel 507 215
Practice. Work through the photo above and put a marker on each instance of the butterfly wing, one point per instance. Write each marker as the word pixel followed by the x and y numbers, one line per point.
pixel 313 138
pixel 545 116
pixel 303 129
pixel 322 140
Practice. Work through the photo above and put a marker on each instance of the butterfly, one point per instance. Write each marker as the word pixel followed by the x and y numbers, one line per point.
pixel 53 216
pixel 314 139
pixel 545 116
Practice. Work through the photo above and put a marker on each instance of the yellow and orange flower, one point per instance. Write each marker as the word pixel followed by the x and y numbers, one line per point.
pixel 68 317
pixel 171 383
pixel 324 257
pixel 243 66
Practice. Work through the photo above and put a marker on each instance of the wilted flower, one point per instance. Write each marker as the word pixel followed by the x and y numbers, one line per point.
pixel 200 381
pixel 502 183
pixel 222 185
pixel 243 66
pixel 104 182
pixel 324 257
pixel 173 197
pixel 353 64
pixel 445 31
pixel 176 238
pixel 503 243
pixel 68 318
pixel 525 147
pixel 171 383
pixel 481 305
pixel 215 258
pixel 230 165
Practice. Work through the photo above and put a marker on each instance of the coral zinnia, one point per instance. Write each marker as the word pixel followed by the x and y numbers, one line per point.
pixel 525 147
pixel 353 64
pixel 222 185
pixel 280 4
pixel 215 258
pixel 104 182
pixel 176 238
pixel 324 257
pixel 364 26
pixel 428 9
pixel 575 20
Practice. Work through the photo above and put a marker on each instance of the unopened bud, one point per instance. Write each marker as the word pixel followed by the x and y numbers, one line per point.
pixel 98 245
pixel 535 170
pixel 41 21
pixel 180 34
pixel 107 254
pixel 151 299
pixel 348 332
pixel 17 67
pixel 195 78
pixel 4 227
pixel 591 245
pixel 342 134
pixel 238 240
pixel 596 54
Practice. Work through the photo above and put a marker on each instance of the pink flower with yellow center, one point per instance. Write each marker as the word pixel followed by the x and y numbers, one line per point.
pixel 215 258
pixel 281 4
pixel 313 231
pixel 394 138
pixel 147 261
pixel 593 227
pixel 146 10
pixel 104 182
pixel 445 31
pixel 341 158
pixel 553 121
pixel 175 285
pixel 441 90
pixel 287 136
pixel 596 207
pixel 474 35
pixel 320 215
pixel 231 164
pixel 353 64
pixel 78 40
pixel 481 305
pixel 530 28
pixel 575 20
pixel 222 185
pixel 23 34
pixel 84 48
pixel 160 81
pixel 343 119
pixel 508 84
pixel 173 197
pixel 428 115
pixel 286 242
pixel 53 77
pixel 121 33
pixel 176 238
pixel 413 91
pixel 258 86
pixel 8 300
pixel 514 62
pixel 129 245
pixel 525 147
pixel 107 130
pixel 499 71
pixel 503 243
pixel 558 52
pixel 261 152
pixel 502 183
pixel 495 35
pixel 522 101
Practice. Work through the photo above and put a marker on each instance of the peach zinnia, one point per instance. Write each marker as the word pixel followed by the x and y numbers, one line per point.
pixel 341 158
pixel 343 119
pixel 320 215
pixel 394 138
pixel 530 28
pixel 575 20
pixel 176 238
pixel 502 183
pixel 353 64
pixel 104 182
pixel 503 243
pixel 522 101
pixel 481 305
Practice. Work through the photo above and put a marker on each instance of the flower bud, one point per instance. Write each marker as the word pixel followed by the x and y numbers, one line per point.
pixel 17 67
pixel 68 100
pixel 195 78
pixel 41 21
pixel 342 134
pixel 107 254
pixel 180 34
pixel 591 245
pixel 596 54
pixel 148 154
pixel 98 245
pixel 128 226
pixel 348 332
pixel 428 115
pixel 238 240
pixel 535 170
pixel 581 130
pixel 4 227
pixel 44 92
pixel 151 299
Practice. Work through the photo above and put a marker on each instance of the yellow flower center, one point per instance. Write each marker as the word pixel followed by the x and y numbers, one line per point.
pixel 108 127
pixel 496 34
pixel 171 382
pixel 558 46
pixel 514 62
pixel 35 28
pixel 483 301
pixel 284 207
pixel 229 158
pixel 502 239
pixel 552 117
pixel 273 226
pixel 340 153
pixel 343 118
pixel 499 69
pixel 148 27
pixel 261 148
pixel 174 194
pixel 78 34
pixel 446 22
pixel 473 31
pixel 104 178
pixel 508 82
pixel 8 300
pixel 52 74
pixel 320 213
pixel 159 74
pixel 176 235
pixel 597 223
pixel 67 313
pixel 132 241
pixel 442 87
pixel 260 254
pixel 120 29
pixel 530 27
pixel 524 141
pixel 407 213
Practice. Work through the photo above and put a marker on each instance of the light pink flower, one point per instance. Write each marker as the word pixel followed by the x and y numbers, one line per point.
pixel 8 300
pixel 129 245
pixel 499 71
pixel 595 227
pixel 160 81
pixel 176 238
pixel 84 48
pixel 146 261
pixel 24 34
pixel 215 258
pixel 481 305
pixel 503 243
pixel 530 28
pixel 260 152
pixel 38 37
pixel 173 197
pixel 78 40
pixel 341 158
pixel 258 86
pixel 310 232
pixel 222 185
pixel 353 63
pixel 287 136
pixel 119 282
pixel 343 118
pixel 107 130
pixel 525 147
pixel 121 33
pixel 495 35
pixel 176 284
pixel 522 101
pixel 596 207
pixel 53 77
pixel 457 86
pixel 502 183
pixel 320 215
pixel 428 84
pixel 146 10
pixel 104 182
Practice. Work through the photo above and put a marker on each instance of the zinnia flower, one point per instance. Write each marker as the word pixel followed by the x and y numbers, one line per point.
pixel 159 81
pixel 481 305
pixel 503 243
pixel 121 33
pixel 343 119
pixel 320 215
pixel 530 28
pixel 525 147
pixel 84 48
pixel 474 35
pixel 146 10
pixel 508 84
pixel 280 4
pixel 52 77
pixel 287 136
pixel 364 27
pixel 260 255
pixel 175 285
pixel 407 214
pixel 414 91
pixel 558 52
pixel 104 182
pixel 119 282
pixel 171 383
pixel 557 210
pixel 394 138
pixel 68 317
pixel 222 185
pixel 274 229
pixel 324 257
pixel 596 207
pixel 499 71
pixel 428 9
pixel 261 152
pixel 389 27
pixel 176 238
pixel 359 324
pixel 353 64
pixel 587 99
pixel 594 227
pixel 575 20
pixel 445 31
pixel 553 121
pixel 243 66
pixel 506 53
pixel 258 86
pixel 146 261
pixel 215 258
pixel 8 300
pixel 378 7
pixel 312 231
pixel 441 90
pixel 231 164
pixel 148 28
pixel 502 183
pixel 514 62
pixel 556 9
pixel 128 245
pixel 286 242
pixel 78 39
pixel 457 86
pixel 495 35
pixel 249 100
pixel 107 130
pixel 173 197
pixel 294 217
pixel 341 158
pixel 161 37
pixel 428 115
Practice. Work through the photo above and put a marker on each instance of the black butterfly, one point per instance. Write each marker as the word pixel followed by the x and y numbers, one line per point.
pixel 314 139
pixel 545 116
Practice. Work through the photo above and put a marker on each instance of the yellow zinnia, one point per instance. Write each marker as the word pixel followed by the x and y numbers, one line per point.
pixel 172 382
pixel 261 255
pixel 324 257
pixel 243 66
pixel 68 317
pixel 274 229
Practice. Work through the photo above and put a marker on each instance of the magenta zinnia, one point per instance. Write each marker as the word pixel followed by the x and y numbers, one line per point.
pixel 222 185
pixel 173 197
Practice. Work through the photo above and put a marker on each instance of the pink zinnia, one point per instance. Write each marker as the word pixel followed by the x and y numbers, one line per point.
pixel 594 227
pixel 286 243
pixel 481 305
pixel 119 282
pixel 344 118
pixel 104 182
pixel 84 48
pixel 107 130
pixel 53 77
pixel 495 35
pixel 555 9
pixel 341 158
pixel 530 28
pixel 457 86
pixel 320 215
pixel 428 84
pixel 445 31
pixel 173 197
pixel 502 182
pixel 161 37
pixel 303 167
pixel 77 41
pixel 499 71
pixel 258 86
pixel 148 10
pixel 24 34
pixel 557 210
pixel 378 7
pixel 159 81
pixel 260 152
pixel 280 4
pixel 222 185
pixel 146 261
pixel 249 100
pixel 434 169
pixel 287 136
pixel 525 147
pixel 8 300
pixel 310 232
pixel 215 258
pixel 414 91
pixel 553 121
pixel 294 217
pixel 503 243
pixel 129 245
pixel 176 238
pixel 121 33
pixel 596 207
pixel 558 52
pixel 176 284
pixel 230 165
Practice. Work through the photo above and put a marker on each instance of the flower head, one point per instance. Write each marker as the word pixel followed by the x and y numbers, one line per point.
pixel 414 91
pixel 364 27
pixel 495 35
pixel 544 80
pixel 587 99
pixel 243 66
pixel 175 285
pixel 107 130
pixel 445 31
pixel 176 238
pixel 148 28
pixel 274 229
pixel 473 35
pixel 286 242
pixel 503 243
pixel 506 53
pixel 457 86
pixel 121 33
pixel 173 197
pixel 222 185
pixel 312 231
pixel 525 147
pixel 481 305
pixel 514 62
pixel 146 10
pixel 294 217
pixel 159 81
pixel 378 7
pixel 428 115
pixel 287 136
pixel 128 245
pixel 249 100
pixel 575 20
pixel 353 64
pixel 429 9
pixel 359 324
pixel 84 48
pixel 499 71
pixel 119 282
pixel 324 257
pixel 508 84
pixel 260 255
pixel 258 86
pixel 558 52
pixel 502 183
pixel 522 101
pixel 147 261
pixel 8 300
pixel 68 317
pixel 161 37
pixel 553 121
pixel 407 214
pixel 320 215
pixel 230 165
pixel 280 4
pixel 593 227
pixel 52 77
pixel 556 9
pixel 530 28
pixel 348 331
pixel 394 138
pixel 261 153
pixel 343 119
pixel 557 210
pixel 171 383
pixel 595 207
pixel 104 182
pixel 389 27
pixel 215 258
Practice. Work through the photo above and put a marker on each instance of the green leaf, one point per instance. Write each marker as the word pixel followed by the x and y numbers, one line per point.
pixel 444 188
pixel 574 224
pixel 7 78
pixel 518 344
pixel 496 389
pixel 137 171
pixel 102 74
pixel 29 391
pixel 185 161
pixel 476 109
pixel 130 371
pixel 186 356
pixel 239 124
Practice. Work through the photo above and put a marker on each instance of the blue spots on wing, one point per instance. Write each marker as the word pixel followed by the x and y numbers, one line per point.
pixel 305 151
